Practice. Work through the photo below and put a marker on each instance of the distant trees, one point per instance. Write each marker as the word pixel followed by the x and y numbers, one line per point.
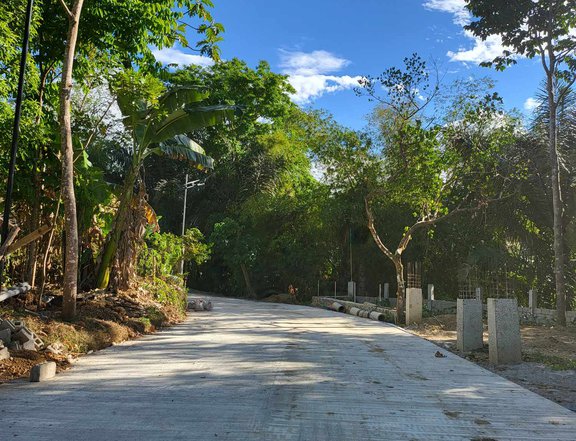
pixel 435 171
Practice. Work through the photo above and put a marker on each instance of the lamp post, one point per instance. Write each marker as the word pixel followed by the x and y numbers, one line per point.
pixel 187 185
pixel 16 130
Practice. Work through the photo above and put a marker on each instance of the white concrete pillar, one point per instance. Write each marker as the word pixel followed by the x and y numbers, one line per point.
pixel 479 294
pixel 413 305
pixel 431 292
pixel 469 327
pixel 352 290
pixel 533 300
pixel 386 291
pixel 505 344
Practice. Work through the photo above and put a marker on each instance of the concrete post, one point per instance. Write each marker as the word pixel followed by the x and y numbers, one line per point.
pixel 469 327
pixel 533 300
pixel 352 290
pixel 386 291
pixel 504 331
pixel 479 294
pixel 430 292
pixel 430 301
pixel 380 293
pixel 413 305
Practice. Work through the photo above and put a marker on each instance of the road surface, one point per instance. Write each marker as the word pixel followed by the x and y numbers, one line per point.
pixel 258 371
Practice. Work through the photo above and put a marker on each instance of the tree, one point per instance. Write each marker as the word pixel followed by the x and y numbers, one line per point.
pixel 70 285
pixel 545 29
pixel 434 173
pixel 157 124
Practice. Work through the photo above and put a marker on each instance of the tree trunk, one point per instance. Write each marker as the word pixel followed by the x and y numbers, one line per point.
pixel 114 236
pixel 400 290
pixel 70 287
pixel 557 205
pixel 249 287
pixel 32 255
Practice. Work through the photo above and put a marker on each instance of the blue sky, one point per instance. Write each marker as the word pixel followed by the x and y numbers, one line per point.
pixel 326 45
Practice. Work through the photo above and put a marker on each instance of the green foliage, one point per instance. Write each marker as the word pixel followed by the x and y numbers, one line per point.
pixel 167 294
pixel 527 27
pixel 162 252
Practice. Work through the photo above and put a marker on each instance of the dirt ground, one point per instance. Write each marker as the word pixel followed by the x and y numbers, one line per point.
pixel 548 353
pixel 103 319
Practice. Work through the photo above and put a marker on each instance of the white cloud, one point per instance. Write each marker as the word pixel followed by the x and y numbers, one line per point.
pixel 309 87
pixel 485 50
pixel 531 104
pixel 454 7
pixel 311 63
pixel 308 74
pixel 175 56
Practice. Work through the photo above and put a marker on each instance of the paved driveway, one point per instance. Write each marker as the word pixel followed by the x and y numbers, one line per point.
pixel 257 371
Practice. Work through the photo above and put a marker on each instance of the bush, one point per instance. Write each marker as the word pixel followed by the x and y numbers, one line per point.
pixel 162 252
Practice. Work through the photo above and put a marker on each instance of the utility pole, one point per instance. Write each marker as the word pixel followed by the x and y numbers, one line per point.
pixel 16 130
pixel 187 185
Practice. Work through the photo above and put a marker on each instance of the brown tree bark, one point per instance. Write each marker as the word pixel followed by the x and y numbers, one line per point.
pixel 400 289
pixel 70 287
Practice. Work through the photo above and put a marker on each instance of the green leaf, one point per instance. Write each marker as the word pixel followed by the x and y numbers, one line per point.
pixel 179 97
pixel 183 148
pixel 186 120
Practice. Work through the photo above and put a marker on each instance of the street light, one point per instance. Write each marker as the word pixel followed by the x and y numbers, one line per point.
pixel 187 185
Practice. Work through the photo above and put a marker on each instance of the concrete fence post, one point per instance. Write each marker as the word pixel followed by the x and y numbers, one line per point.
pixel 413 305
pixel 469 326
pixel 352 290
pixel 479 294
pixel 386 291
pixel 504 331
pixel 431 292
pixel 533 300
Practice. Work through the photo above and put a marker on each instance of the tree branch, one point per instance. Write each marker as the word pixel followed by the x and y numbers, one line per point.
pixel 373 231
pixel 68 12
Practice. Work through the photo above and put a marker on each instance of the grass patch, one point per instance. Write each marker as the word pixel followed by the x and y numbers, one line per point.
pixel 552 361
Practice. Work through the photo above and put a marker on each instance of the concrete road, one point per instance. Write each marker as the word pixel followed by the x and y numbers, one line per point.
pixel 256 371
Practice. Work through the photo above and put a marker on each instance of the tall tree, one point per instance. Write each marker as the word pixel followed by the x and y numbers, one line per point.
pixel 545 29
pixel 434 171
pixel 65 118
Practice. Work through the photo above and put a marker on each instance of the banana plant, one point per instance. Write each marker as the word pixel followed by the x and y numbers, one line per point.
pixel 158 126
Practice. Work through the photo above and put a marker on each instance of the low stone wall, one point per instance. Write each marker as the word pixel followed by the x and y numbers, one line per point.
pixel 437 306
pixel 325 302
pixel 543 316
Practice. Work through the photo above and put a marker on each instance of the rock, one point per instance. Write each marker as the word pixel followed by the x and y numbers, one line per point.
pixel 4 354
pixel 6 336
pixel 200 305
pixel 55 348
pixel 43 371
